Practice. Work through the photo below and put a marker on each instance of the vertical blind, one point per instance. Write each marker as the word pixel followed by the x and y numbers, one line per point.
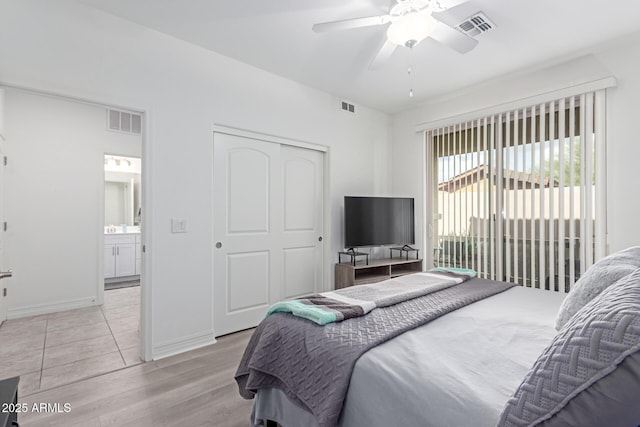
pixel 520 195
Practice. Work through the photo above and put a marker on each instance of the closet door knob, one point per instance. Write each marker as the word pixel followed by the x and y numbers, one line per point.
pixel 218 245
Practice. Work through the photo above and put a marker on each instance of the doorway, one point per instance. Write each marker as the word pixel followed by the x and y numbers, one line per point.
pixel 122 221
pixel 123 252
pixel 55 242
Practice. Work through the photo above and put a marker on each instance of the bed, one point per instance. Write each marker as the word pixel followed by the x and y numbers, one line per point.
pixel 465 367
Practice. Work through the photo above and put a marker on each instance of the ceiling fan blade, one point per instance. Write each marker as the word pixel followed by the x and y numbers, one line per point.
pixel 453 38
pixel 383 55
pixel 347 24
pixel 441 5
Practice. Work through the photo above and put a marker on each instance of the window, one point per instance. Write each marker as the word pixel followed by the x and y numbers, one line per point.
pixel 514 194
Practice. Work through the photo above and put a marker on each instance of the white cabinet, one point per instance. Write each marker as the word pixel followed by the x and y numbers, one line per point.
pixel 126 259
pixel 109 261
pixel 120 258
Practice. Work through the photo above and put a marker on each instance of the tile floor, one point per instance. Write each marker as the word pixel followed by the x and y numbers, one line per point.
pixel 59 348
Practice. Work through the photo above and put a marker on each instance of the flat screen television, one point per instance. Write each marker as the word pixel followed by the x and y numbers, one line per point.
pixel 378 221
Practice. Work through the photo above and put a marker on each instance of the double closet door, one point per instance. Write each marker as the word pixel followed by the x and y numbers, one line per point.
pixel 267 227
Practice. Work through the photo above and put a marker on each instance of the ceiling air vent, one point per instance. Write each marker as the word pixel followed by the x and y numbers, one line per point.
pixel 476 24
pixel 123 121
pixel 346 106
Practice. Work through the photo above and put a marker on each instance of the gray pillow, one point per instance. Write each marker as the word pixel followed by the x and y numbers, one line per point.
pixel 590 373
pixel 598 277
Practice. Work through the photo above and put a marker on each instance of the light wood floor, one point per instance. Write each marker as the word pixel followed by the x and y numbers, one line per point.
pixel 191 389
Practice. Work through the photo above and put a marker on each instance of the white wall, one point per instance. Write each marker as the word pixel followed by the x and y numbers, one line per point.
pixel 616 58
pixel 53 188
pixel 2 94
pixel 66 48
pixel 623 151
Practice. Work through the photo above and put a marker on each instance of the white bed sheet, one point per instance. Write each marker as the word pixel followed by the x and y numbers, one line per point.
pixel 457 370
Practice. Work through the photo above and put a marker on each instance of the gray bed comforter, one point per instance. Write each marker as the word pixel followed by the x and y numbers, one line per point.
pixel 312 364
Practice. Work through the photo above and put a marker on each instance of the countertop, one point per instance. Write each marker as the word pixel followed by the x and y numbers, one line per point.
pixel 130 230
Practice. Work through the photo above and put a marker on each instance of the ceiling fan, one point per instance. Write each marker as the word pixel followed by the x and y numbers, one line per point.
pixel 411 22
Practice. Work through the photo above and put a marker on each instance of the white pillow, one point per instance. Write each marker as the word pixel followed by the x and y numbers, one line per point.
pixel 597 278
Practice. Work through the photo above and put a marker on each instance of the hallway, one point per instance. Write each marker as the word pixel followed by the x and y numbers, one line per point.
pixel 60 348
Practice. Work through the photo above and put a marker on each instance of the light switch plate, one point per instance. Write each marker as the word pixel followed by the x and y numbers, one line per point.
pixel 178 225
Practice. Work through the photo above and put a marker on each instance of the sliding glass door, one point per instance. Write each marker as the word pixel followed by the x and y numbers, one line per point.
pixel 462 158
pixel 514 195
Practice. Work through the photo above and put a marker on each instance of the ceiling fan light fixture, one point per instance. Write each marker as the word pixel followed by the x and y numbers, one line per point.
pixel 411 28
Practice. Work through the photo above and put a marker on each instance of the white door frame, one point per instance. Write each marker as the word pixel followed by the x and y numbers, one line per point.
pixel 326 197
pixel 3 285
pixel 146 288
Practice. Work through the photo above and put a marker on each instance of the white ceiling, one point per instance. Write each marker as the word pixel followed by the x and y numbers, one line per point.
pixel 276 36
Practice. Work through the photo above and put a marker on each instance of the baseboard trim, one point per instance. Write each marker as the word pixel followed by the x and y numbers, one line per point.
pixel 191 342
pixel 122 279
pixel 38 309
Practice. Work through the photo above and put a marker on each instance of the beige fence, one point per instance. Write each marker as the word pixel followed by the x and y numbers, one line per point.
pixel 464 232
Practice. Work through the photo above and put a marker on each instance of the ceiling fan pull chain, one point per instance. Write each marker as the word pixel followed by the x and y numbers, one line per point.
pixel 409 72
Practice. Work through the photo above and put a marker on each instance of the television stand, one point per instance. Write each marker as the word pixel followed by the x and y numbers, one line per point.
pixel 354 255
pixel 376 270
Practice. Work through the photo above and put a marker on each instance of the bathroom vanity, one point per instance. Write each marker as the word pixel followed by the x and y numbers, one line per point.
pixel 122 254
